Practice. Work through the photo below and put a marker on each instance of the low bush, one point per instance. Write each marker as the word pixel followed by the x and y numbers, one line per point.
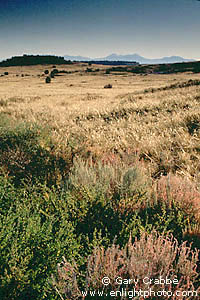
pixel 153 256
pixel 192 122
pixel 109 178
pixel 174 190
pixel 55 71
pixel 26 155
pixel 33 238
pixel 3 102
pixel 108 86
pixel 48 79
pixel 89 70
pixel 117 200
pixel 39 225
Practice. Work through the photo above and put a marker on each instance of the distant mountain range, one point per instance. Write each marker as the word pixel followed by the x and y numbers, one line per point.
pixel 132 57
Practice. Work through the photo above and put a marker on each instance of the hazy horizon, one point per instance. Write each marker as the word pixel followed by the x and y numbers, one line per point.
pixel 92 57
pixel 153 29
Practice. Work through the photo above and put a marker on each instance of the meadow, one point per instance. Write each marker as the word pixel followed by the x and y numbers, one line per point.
pixel 97 181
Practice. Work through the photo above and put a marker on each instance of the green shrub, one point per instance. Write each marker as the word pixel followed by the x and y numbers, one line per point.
pixel 48 79
pixel 25 154
pixel 46 72
pixel 192 122
pixel 108 86
pixel 89 70
pixel 55 71
pixel 39 225
pixel 33 238
pixel 3 102
pixel 111 179
pixel 117 201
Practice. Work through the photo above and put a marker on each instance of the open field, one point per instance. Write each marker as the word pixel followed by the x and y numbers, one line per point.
pixel 160 125
pixel 90 165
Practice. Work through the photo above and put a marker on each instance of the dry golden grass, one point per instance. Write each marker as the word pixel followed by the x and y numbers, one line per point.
pixel 159 127
pixel 120 160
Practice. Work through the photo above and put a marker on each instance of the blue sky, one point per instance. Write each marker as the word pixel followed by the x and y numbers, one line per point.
pixel 96 28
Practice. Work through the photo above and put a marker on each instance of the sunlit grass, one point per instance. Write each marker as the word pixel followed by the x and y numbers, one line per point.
pixel 104 163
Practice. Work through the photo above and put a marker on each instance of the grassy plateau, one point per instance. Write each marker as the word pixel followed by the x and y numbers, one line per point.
pixel 99 177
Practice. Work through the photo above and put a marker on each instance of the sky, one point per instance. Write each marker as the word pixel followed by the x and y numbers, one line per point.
pixel 97 28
